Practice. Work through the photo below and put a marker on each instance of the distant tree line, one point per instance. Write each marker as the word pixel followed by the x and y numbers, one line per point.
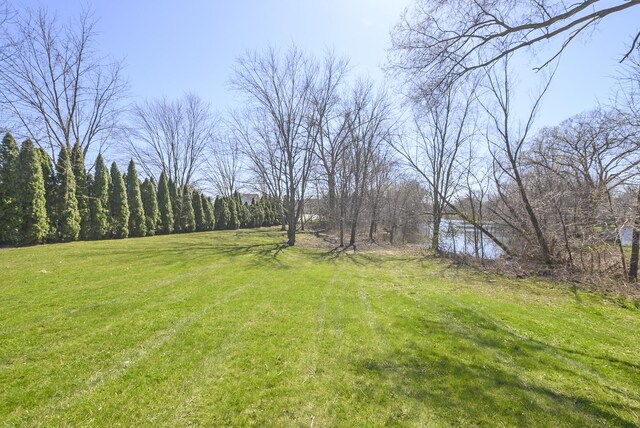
pixel 45 202
pixel 328 149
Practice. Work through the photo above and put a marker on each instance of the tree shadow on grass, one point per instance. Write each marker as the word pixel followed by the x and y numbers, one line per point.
pixel 262 253
pixel 357 258
pixel 469 370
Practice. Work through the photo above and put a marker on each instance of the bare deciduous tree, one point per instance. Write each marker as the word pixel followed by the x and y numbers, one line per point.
pixel 329 127
pixel 55 85
pixel 172 136
pixel 369 125
pixel 224 165
pixel 628 107
pixel 444 125
pixel 279 89
pixel 439 41
pixel 507 138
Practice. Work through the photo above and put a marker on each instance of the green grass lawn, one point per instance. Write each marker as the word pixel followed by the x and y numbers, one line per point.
pixel 227 328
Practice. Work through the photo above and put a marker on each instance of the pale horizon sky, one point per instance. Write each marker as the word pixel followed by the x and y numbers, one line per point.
pixel 170 48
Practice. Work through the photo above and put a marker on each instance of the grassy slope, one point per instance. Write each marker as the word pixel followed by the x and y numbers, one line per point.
pixel 198 329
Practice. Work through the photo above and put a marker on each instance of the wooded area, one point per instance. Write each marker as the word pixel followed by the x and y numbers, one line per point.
pixel 321 147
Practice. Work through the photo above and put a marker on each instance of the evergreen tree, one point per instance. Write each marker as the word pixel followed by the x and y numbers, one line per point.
pixel 176 203
pixel 212 210
pixel 209 215
pixel 269 213
pixel 64 214
pixel 9 209
pixel 90 203
pixel 164 206
pixel 245 216
pixel 188 221
pixel 198 211
pixel 276 211
pixel 31 197
pixel 137 221
pixel 221 213
pixel 99 201
pixel 233 222
pixel 257 214
pixel 150 205
pixel 242 211
pixel 119 208
pixel 49 178
pixel 82 190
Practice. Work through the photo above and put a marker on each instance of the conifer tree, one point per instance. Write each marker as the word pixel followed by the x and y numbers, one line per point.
pixel 269 214
pixel 99 201
pixel 150 205
pixel 209 215
pixel 49 178
pixel 233 222
pixel 188 221
pixel 137 221
pixel 245 216
pixel 257 213
pixel 198 211
pixel 221 213
pixel 212 211
pixel 176 204
pixel 119 208
pixel 31 197
pixel 9 209
pixel 64 214
pixel 90 203
pixel 164 206
pixel 82 190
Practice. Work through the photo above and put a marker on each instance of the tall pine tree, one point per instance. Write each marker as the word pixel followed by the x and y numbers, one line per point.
pixel 9 209
pixel 31 198
pixel 164 206
pixel 82 190
pixel 119 209
pixel 137 222
pixel 64 214
pixel 99 200
pixel 150 205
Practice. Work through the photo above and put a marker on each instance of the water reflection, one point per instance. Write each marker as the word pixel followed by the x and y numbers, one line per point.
pixel 460 237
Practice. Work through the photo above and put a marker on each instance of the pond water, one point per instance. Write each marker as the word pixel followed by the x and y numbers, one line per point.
pixel 625 235
pixel 460 237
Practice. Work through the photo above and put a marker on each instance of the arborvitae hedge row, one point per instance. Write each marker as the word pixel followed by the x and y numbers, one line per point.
pixel 40 203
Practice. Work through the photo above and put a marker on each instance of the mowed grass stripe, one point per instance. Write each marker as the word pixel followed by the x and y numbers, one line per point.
pixel 231 329
pixel 98 338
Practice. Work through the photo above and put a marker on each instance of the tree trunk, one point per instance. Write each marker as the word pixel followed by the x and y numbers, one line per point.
pixel 352 238
pixel 542 241
pixel 373 228
pixel 635 243
pixel 291 222
pixel 437 219
pixel 333 212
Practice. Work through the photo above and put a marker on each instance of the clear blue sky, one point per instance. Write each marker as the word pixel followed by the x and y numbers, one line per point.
pixel 171 47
